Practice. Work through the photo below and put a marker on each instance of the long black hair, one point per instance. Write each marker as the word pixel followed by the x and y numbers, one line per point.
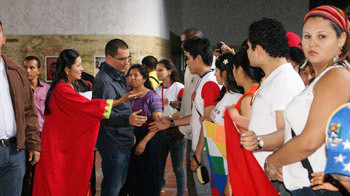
pixel 225 63
pixel 143 71
pixel 66 59
pixel 169 65
pixel 241 60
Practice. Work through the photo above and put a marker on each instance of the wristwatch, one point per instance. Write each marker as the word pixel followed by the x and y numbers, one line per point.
pixel 260 143
pixel 172 123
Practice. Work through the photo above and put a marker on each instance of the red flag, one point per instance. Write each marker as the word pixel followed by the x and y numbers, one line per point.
pixel 246 175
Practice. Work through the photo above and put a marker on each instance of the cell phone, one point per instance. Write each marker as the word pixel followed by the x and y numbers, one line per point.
pixel 218 47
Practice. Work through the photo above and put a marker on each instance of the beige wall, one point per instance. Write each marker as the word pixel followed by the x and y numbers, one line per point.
pixel 17 47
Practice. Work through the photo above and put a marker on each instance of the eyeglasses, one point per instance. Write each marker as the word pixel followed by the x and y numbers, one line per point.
pixel 123 59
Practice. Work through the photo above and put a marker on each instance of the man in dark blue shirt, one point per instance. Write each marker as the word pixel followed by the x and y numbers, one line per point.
pixel 116 135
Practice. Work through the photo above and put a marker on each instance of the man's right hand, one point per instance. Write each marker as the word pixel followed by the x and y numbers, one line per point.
pixel 249 140
pixel 137 120
pixel 130 95
pixel 161 124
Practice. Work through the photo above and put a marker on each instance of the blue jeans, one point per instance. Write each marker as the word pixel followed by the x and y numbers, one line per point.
pixel 114 168
pixel 177 149
pixel 12 169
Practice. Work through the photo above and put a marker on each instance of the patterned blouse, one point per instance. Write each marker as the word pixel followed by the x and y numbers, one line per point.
pixel 149 103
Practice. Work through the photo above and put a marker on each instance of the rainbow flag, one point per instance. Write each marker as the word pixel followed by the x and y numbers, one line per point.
pixel 215 143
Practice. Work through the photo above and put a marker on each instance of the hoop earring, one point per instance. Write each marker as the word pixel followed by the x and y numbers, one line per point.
pixel 303 65
pixel 340 52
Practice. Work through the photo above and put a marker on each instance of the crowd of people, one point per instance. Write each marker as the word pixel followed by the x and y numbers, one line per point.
pixel 278 89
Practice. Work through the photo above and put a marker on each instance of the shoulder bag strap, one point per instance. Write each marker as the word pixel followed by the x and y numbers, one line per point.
pixel 154 79
pixel 306 163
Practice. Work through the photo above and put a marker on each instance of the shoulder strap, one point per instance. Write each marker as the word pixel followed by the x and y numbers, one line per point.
pixel 306 163
pixel 154 79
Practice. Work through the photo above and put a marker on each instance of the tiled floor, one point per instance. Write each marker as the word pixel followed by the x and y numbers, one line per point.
pixel 170 186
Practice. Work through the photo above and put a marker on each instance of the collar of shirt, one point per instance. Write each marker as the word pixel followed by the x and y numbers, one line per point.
pixel 39 83
pixel 116 75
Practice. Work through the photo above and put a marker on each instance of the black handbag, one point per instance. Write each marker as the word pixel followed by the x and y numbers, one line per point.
pixel 202 172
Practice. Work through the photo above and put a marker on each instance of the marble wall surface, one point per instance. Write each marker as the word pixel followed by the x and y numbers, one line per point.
pixel 89 47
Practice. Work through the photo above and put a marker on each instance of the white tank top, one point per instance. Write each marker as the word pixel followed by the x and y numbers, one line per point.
pixel 295 176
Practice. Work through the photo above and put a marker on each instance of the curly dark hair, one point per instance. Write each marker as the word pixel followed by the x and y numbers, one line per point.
pixel 270 35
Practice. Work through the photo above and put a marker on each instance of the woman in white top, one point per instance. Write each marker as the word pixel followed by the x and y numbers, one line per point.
pixel 230 92
pixel 170 91
pixel 325 42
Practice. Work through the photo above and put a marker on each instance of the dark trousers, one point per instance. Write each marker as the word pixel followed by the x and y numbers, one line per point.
pixel 191 186
pixel 28 180
pixel 114 167
pixel 307 191
pixel 144 170
pixel 281 189
pixel 93 177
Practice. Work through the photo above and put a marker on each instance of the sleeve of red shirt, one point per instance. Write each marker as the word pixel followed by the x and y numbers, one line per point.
pixel 181 92
pixel 210 93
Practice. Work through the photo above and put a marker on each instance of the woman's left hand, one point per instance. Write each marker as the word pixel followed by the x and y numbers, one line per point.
pixel 140 147
pixel 318 182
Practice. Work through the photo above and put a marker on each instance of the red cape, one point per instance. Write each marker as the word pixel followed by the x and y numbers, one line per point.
pixel 68 141
pixel 246 175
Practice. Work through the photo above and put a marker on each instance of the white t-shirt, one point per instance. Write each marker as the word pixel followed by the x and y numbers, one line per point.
pixel 190 81
pixel 295 176
pixel 190 85
pixel 7 115
pixel 217 114
pixel 171 94
pixel 274 94
pixel 198 104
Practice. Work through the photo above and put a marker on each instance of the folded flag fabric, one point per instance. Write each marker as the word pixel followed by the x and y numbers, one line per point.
pixel 215 143
pixel 246 175
pixel 338 142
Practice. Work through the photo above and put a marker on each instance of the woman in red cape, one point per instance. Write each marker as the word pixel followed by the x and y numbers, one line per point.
pixel 69 133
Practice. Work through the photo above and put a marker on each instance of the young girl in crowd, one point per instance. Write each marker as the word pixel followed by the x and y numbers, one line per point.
pixel 307 73
pixel 325 42
pixel 171 90
pixel 69 133
pixel 248 78
pixel 229 93
pixel 143 176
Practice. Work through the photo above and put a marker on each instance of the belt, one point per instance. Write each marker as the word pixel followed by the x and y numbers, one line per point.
pixel 8 142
